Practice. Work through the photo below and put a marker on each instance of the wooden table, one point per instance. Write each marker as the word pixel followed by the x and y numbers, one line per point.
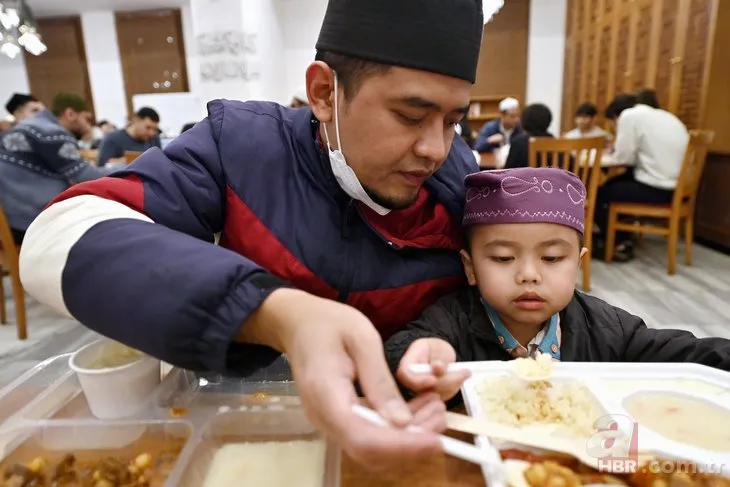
pixel 439 471
pixel 487 160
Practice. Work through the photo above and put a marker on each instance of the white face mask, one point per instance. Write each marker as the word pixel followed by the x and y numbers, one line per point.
pixel 344 174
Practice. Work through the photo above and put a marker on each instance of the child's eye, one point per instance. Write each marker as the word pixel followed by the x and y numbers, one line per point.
pixel 552 259
pixel 502 259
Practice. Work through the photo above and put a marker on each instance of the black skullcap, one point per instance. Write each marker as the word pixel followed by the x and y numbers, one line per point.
pixel 440 36
pixel 18 100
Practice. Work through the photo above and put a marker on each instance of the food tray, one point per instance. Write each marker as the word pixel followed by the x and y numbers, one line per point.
pixel 612 384
pixel 191 414
pixel 31 384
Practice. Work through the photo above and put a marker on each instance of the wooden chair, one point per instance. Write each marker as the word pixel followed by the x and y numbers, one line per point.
pixel 681 208
pixel 583 158
pixel 130 156
pixel 9 266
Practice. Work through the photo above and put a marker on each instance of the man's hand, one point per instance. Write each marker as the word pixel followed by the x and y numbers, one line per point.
pixel 438 354
pixel 329 346
pixel 496 139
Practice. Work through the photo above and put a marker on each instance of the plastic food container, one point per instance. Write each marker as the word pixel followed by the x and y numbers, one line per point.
pixel 115 392
pixel 271 429
pixel 609 384
pixel 31 384
pixel 155 446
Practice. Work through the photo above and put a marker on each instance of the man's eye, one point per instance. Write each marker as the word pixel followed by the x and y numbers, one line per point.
pixel 410 121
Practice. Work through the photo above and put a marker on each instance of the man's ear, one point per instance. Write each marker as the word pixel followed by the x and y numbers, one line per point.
pixel 468 267
pixel 320 85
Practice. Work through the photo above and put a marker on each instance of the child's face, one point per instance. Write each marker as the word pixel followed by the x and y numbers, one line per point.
pixel 584 123
pixel 525 271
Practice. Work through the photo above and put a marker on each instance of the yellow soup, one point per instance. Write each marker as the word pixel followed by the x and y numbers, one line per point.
pixel 682 418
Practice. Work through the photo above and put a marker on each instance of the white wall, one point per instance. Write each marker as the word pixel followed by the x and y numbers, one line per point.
pixel 104 66
pixel 13 79
pixel 545 54
pixel 302 20
pixel 286 47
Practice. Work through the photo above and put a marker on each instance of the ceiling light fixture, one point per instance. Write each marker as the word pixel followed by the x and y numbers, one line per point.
pixel 18 29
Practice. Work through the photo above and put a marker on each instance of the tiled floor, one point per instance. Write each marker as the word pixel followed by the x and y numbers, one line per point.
pixel 696 299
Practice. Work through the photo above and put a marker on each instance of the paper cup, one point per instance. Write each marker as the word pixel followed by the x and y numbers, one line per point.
pixel 114 392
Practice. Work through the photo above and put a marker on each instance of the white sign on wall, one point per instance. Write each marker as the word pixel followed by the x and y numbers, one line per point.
pixel 228 55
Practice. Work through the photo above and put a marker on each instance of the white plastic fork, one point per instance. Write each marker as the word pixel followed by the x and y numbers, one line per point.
pixel 450 446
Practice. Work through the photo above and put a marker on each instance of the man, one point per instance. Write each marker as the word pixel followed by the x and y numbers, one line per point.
pixel 141 134
pixel 22 106
pixel 654 142
pixel 585 121
pixel 338 224
pixel 647 96
pixel 39 159
pixel 501 130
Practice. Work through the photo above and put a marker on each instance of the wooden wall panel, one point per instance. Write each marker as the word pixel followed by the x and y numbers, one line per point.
pixel 152 52
pixel 502 68
pixel 694 61
pixel 679 48
pixel 621 55
pixel 602 67
pixel 63 66
pixel 641 48
pixel 666 50
pixel 717 95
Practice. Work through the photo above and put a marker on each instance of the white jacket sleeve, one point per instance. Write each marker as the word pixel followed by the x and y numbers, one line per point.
pixel 626 146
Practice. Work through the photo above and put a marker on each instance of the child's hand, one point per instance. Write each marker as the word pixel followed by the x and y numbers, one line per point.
pixel 437 353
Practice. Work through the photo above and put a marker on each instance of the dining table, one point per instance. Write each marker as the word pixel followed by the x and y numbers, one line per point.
pixel 440 470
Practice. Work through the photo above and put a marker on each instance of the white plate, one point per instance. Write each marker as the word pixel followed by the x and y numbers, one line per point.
pixel 601 379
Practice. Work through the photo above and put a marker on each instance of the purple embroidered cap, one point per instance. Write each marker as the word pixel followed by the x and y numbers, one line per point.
pixel 525 195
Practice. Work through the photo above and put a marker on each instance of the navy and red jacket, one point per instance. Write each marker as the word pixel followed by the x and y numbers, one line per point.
pixel 131 256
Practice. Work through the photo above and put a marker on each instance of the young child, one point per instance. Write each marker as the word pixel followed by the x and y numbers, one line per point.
pixel 524 231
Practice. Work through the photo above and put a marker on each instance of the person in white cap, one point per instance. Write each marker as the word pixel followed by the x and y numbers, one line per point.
pixel 500 131
pixel 299 99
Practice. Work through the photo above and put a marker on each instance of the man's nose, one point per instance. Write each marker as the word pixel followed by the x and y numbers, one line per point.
pixel 434 143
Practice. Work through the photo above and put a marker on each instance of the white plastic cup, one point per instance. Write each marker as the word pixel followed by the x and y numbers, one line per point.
pixel 114 392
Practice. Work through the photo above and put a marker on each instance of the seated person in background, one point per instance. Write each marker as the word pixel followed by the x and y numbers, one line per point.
pixel 39 159
pixel 101 130
pixel 647 97
pixel 22 106
pixel 299 99
pixel 522 257
pixel 140 135
pixel 654 142
pixel 536 120
pixel 585 121
pixel 464 131
pixel 502 130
